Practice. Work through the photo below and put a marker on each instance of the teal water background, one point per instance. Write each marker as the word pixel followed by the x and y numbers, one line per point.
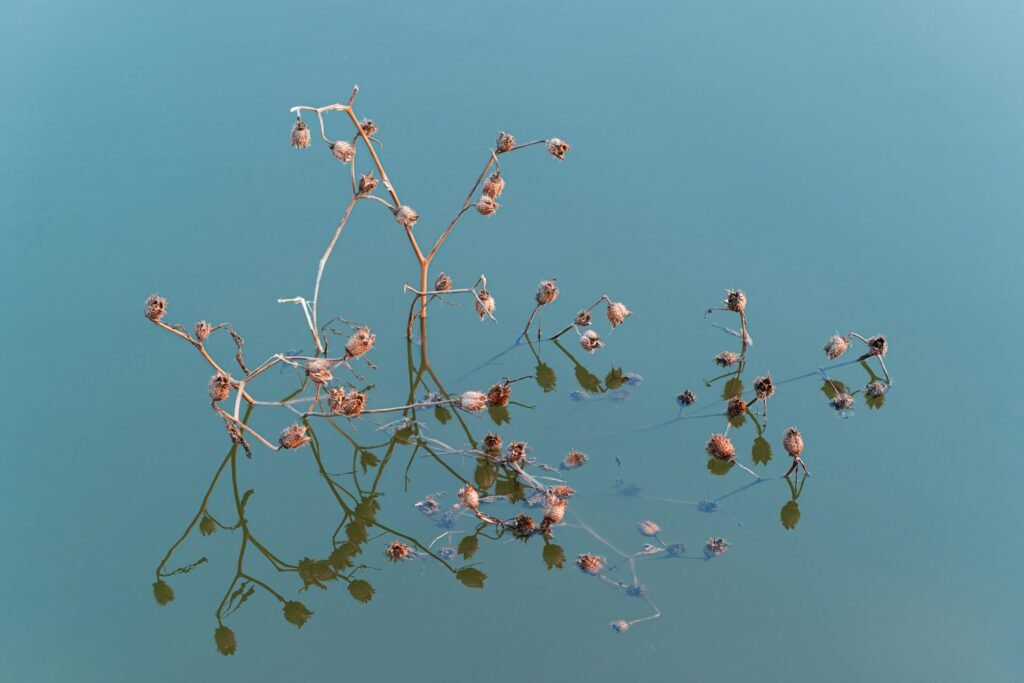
pixel 849 166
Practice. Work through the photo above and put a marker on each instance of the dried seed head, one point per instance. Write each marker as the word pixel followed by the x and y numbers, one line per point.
pixel 300 135
pixel 472 401
pixel 499 394
pixel 492 442
pixel 792 441
pixel 293 436
pixel 874 389
pixel 156 307
pixel 360 342
pixel 561 492
pixel 727 358
pixel 367 183
pixel 484 304
pixel 406 216
pixel 736 407
pixel 648 528
pixel 523 525
pixel 225 641
pixel 878 345
pixel 206 525
pixel 398 551
pixel 583 319
pixel 203 330
pixel 763 387
pixel 842 401
pixel 516 452
pixel 336 399
pixel 720 448
pixel 369 127
pixel 557 148
pixel 162 592
pixel 616 313
pixel 573 460
pixel 715 547
pixel 547 291
pixel 735 300
pixel 469 496
pixel 554 509
pixel 505 142
pixel 296 613
pixel 590 341
pixel 443 283
pixel 590 564
pixel 354 404
pixel 687 398
pixel 343 151
pixel 836 346
pixel 220 387
pixel 619 625
pixel 487 206
pixel 494 186
pixel 319 371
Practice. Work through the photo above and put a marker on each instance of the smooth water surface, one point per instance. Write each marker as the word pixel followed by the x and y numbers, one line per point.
pixel 850 167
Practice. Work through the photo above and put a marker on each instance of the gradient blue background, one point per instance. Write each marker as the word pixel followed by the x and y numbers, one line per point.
pixel 852 166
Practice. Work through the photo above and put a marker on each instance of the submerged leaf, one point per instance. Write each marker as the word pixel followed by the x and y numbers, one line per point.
pixel 761 451
pixel 361 590
pixel 471 577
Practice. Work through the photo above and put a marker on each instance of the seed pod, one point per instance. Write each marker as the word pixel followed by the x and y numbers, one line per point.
pixel 336 399
pixel 293 436
pixel 203 330
pixel 343 151
pixel 523 525
pixel 406 216
pixel 487 206
pixel 319 371
pixel 573 460
pixel 590 564
pixel 505 142
pixel 492 442
pixel 763 387
pixel 736 407
pixel 354 404
pixel 616 313
pixel 156 307
pixel 472 401
pixel 206 525
pixel 554 510
pixel 494 185
pixel 296 613
pixel 557 148
pixel 878 345
pixel 648 528
pixel 443 283
pixel 875 389
pixel 583 319
pixel 792 441
pixel 590 341
pixel 220 387
pixel 735 300
pixel 369 127
pixel 499 395
pixel 842 401
pixel 547 291
pixel 836 346
pixel 162 592
pixel 484 304
pixel 720 448
pixel 398 551
pixel 469 497
pixel 687 398
pixel 360 342
pixel 300 135
pixel 225 637
pixel 727 358
pixel 715 547
pixel 561 492
pixel 619 625
pixel 367 183
pixel 516 452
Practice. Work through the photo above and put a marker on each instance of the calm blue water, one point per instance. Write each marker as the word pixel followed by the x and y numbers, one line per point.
pixel 850 167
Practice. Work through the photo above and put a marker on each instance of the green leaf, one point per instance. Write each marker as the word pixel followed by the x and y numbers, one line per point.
pixel 554 556
pixel 499 414
pixel 790 515
pixel 442 414
pixel 361 590
pixel 732 388
pixel 614 379
pixel 545 376
pixel 719 468
pixel 367 460
pixel 471 577
pixel 468 546
pixel 761 451
pixel 356 532
pixel 588 381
